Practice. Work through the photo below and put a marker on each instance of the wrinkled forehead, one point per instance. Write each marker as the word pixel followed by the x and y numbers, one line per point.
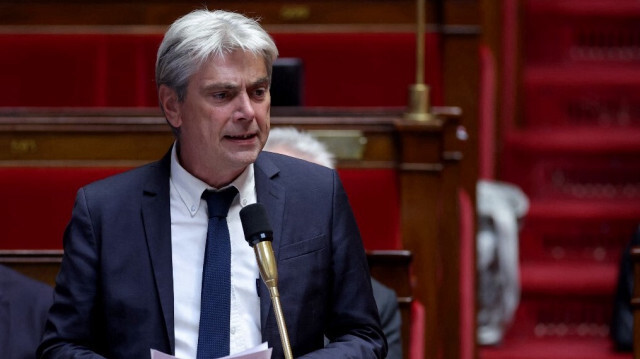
pixel 241 59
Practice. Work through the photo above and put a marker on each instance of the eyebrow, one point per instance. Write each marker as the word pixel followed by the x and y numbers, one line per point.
pixel 263 81
pixel 219 86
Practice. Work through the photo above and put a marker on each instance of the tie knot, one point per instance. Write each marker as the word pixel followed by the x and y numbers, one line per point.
pixel 219 202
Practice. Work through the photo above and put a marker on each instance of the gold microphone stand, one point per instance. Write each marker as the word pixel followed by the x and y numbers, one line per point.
pixel 269 273
pixel 419 92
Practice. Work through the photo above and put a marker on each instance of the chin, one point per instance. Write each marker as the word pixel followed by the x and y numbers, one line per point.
pixel 246 158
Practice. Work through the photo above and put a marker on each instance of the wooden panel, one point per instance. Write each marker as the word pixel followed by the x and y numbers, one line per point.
pixel 162 12
pixel 133 136
pixel 42 265
pixel 149 12
pixel 430 222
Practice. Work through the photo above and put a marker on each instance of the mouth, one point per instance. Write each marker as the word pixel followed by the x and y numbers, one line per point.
pixel 244 137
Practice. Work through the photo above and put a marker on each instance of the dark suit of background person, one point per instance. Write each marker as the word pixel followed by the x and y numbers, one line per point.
pixel 622 318
pixel 24 303
pixel 390 319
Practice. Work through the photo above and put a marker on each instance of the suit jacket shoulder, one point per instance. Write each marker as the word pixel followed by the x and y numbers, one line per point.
pixel 294 171
pixel 152 176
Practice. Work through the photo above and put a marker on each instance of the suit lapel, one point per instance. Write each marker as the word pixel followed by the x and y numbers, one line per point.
pixel 272 196
pixel 156 218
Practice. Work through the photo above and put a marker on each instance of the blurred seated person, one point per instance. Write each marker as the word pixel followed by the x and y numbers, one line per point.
pixel 500 207
pixel 24 303
pixel 292 142
pixel 622 320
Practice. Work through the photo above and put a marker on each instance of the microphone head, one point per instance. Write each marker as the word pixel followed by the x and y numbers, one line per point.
pixel 255 224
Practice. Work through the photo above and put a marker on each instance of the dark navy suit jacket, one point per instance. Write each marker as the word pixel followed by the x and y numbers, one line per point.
pixel 114 292
pixel 24 303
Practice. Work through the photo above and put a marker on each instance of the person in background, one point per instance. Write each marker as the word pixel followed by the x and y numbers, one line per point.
pixel 24 303
pixel 137 247
pixel 622 319
pixel 501 207
pixel 293 142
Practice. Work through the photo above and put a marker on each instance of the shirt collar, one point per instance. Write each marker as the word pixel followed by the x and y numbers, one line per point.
pixel 190 188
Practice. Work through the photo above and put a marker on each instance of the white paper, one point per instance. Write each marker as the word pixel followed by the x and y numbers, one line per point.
pixel 261 351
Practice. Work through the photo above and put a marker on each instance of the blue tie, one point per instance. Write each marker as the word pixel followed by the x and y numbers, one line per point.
pixel 213 338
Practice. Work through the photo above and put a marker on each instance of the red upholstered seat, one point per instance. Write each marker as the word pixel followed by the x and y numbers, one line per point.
pixel 37 203
pixel 81 70
pixel 361 69
pixel 28 192
pixel 416 341
pixel 374 198
pixel 117 70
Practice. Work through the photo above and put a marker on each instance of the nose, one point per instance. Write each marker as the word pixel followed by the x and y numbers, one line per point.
pixel 244 109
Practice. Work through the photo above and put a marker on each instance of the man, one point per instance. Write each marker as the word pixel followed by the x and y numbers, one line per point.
pixel 24 303
pixel 132 275
pixel 292 142
pixel 622 319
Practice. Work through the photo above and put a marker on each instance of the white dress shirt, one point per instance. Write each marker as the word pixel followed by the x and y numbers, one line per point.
pixel 189 222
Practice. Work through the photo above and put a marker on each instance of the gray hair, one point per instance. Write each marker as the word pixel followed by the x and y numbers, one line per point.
pixel 195 37
pixel 290 141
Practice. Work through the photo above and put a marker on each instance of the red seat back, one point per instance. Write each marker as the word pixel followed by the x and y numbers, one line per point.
pixel 374 198
pixel 37 203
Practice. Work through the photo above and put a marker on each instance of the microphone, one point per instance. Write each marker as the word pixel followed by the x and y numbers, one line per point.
pixel 258 232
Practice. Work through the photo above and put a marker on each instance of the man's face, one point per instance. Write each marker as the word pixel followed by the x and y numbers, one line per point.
pixel 224 118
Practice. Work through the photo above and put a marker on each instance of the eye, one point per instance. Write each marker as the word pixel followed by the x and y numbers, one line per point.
pixel 219 95
pixel 260 92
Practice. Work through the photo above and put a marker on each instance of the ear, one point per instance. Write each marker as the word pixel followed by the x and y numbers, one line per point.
pixel 170 105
